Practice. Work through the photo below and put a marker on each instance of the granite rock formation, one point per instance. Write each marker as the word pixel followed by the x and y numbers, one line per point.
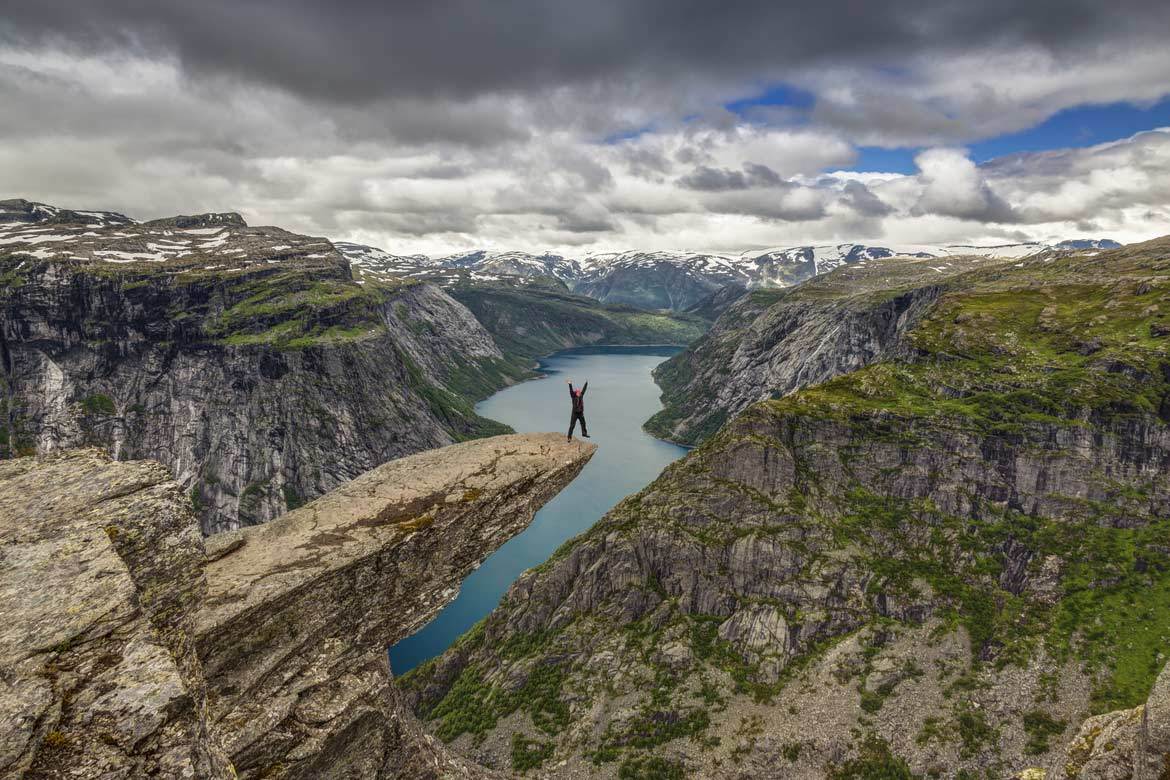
pixel 1124 744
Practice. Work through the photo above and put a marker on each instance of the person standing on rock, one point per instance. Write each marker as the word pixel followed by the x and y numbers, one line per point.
pixel 578 399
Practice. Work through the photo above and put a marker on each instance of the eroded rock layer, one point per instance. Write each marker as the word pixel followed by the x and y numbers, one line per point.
pixel 101 578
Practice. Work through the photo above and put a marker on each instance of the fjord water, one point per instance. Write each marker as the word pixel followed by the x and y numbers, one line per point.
pixel 621 396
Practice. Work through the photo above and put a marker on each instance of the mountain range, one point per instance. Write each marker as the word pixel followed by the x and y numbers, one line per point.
pixel 675 280
pixel 679 279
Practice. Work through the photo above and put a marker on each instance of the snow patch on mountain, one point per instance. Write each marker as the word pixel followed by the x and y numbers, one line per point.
pixel 38 231
pixel 20 211
pixel 371 261
pixel 513 264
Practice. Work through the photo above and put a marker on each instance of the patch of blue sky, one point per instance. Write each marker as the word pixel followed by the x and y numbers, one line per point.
pixel 1077 127
pixel 626 135
pixel 1080 126
pixel 881 160
pixel 777 95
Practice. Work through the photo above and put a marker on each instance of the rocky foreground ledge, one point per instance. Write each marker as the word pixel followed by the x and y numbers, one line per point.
pixel 127 649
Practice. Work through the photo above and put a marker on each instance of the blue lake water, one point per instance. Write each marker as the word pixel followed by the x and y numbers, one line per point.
pixel 621 396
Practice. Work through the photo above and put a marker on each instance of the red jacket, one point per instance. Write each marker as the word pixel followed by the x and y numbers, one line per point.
pixel 578 397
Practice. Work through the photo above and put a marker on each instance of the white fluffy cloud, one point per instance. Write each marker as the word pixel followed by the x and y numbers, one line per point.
pixel 953 186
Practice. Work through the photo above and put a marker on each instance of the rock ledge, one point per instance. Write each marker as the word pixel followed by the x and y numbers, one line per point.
pixel 128 651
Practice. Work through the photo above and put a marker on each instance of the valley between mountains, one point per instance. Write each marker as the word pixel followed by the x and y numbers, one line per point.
pixel 924 531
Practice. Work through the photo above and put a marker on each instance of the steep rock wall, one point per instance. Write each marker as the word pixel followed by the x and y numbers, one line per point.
pixel 195 370
pixel 1132 743
pixel 101 580
pixel 320 593
pixel 786 536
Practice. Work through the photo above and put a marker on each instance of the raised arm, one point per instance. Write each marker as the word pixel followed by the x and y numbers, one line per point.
pixel 584 387
pixel 571 388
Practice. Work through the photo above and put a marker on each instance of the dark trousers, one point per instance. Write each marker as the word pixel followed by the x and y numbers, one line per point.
pixel 573 423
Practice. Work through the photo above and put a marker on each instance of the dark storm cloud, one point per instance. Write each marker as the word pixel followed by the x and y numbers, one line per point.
pixel 711 179
pixel 419 223
pixel 424 125
pixel 858 197
pixel 773 205
pixel 648 163
pixel 410 121
pixel 911 118
pixel 358 51
pixel 585 223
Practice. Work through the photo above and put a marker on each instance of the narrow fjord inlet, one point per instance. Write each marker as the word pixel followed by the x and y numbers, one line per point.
pixel 622 395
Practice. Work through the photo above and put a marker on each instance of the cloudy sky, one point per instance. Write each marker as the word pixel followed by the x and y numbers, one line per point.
pixel 594 125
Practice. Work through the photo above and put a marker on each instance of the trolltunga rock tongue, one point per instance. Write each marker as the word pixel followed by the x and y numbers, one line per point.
pixel 128 651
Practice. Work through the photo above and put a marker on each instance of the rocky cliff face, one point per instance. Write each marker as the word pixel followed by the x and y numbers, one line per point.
pixel 937 565
pixel 769 343
pixel 713 306
pixel 130 652
pixel 247 360
pixel 1132 743
pixel 101 676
